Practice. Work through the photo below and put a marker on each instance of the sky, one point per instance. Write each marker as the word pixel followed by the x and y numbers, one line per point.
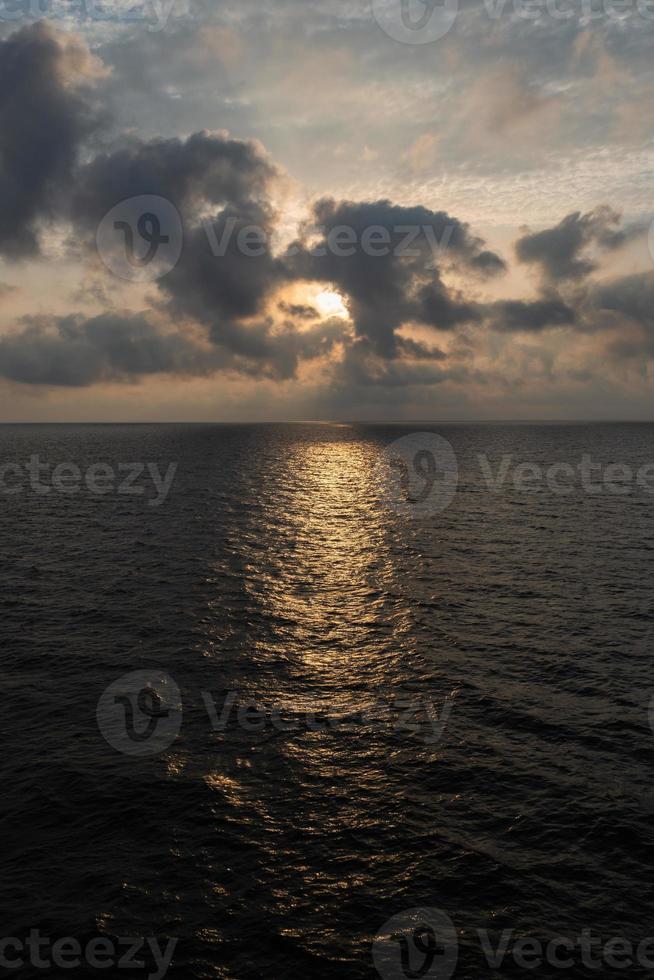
pixel 326 209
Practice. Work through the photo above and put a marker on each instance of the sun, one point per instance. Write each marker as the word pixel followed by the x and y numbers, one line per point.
pixel 330 303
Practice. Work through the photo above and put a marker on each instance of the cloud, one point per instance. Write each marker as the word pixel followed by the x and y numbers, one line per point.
pixel 216 280
pixel 204 169
pixel 561 251
pixel 363 367
pixel 631 296
pixel 531 317
pixel 45 114
pixel 624 306
pixel 73 351
pixel 386 259
pixel 299 311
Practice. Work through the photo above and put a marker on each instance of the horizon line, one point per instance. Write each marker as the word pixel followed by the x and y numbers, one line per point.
pixel 342 422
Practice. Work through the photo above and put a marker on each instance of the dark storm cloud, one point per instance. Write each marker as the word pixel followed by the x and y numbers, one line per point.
pixel 531 317
pixel 417 351
pixel 73 351
pixel 625 306
pixel 205 169
pixel 220 279
pixel 299 311
pixel 217 280
pixel 43 120
pixel 265 351
pixel 227 288
pixel 559 251
pixel 631 296
pixel 363 367
pixel 385 258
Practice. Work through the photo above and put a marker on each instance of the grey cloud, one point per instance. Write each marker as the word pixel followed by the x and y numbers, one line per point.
pixel 632 296
pixel 299 311
pixel 72 351
pixel 389 285
pixel 415 350
pixel 560 251
pixel 363 367
pixel 519 315
pixel 205 169
pixel 624 306
pixel 264 350
pixel 216 282
pixel 44 117
pixel 228 286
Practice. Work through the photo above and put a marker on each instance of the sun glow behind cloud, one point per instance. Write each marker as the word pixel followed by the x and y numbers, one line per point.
pixel 330 303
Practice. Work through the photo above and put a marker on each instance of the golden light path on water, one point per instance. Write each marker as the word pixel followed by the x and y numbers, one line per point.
pixel 338 624
pixel 331 582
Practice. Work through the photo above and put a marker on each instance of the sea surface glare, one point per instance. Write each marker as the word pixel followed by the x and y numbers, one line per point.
pixel 377 710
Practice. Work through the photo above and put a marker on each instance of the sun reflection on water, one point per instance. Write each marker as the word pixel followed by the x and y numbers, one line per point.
pixel 333 577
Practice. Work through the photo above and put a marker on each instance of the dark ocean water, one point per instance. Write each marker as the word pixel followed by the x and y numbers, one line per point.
pixel 276 570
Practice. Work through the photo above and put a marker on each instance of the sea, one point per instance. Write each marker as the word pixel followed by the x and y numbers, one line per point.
pixel 329 700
